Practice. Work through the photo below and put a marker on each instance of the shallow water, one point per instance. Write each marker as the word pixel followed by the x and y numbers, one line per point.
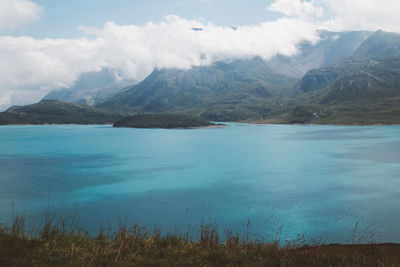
pixel 313 180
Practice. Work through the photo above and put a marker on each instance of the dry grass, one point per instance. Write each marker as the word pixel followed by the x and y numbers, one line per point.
pixel 60 242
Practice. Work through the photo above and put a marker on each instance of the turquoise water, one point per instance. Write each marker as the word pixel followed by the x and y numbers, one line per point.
pixel 313 180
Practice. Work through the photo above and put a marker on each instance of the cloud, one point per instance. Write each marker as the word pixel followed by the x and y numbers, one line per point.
pixel 363 15
pixel 37 66
pixel 15 14
pixel 343 15
pixel 30 67
pixel 296 8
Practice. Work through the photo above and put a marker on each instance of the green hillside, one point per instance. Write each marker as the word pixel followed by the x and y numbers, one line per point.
pixel 231 91
pixel 247 89
pixel 56 112
pixel 361 89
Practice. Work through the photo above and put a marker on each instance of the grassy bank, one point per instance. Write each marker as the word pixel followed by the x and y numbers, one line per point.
pixel 59 244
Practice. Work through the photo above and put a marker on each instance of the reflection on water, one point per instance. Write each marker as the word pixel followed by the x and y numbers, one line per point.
pixel 316 180
pixel 387 152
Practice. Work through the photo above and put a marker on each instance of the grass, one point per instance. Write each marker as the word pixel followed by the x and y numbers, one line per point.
pixel 61 242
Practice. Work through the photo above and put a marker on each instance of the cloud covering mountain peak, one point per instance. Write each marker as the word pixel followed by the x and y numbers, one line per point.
pixel 40 65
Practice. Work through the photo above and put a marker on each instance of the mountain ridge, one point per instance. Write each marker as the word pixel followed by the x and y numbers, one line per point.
pixel 345 86
pixel 363 88
pixel 216 92
pixel 245 89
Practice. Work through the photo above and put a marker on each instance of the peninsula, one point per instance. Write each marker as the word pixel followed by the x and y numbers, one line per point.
pixel 167 121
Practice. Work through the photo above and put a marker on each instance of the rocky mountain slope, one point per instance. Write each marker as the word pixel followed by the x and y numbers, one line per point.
pixel 246 89
pixel 362 88
pixel 355 80
pixel 224 91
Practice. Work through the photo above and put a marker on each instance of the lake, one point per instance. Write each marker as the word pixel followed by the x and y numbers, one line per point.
pixel 319 181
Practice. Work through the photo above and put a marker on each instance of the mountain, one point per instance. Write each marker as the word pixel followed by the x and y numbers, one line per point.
pixel 355 80
pixel 236 90
pixel 368 83
pixel 363 88
pixel 378 46
pixel 91 88
pixel 56 112
pixel 223 91
pixel 332 47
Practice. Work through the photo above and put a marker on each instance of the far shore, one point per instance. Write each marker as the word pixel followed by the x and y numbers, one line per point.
pixel 180 128
pixel 217 125
pixel 282 122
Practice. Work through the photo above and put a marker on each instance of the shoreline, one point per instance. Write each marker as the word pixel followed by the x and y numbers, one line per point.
pixel 178 128
pixel 318 124
pixel 213 126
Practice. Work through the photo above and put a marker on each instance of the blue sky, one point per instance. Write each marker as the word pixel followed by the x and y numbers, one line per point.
pixel 62 17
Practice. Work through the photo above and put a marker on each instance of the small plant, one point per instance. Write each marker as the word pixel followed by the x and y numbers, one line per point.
pixel 18 227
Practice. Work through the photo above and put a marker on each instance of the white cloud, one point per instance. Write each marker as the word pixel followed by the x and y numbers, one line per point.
pixel 36 66
pixel 15 14
pixel 30 67
pixel 296 8
pixel 343 15
pixel 363 15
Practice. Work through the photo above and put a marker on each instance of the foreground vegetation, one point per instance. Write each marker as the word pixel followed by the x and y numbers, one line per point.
pixel 61 245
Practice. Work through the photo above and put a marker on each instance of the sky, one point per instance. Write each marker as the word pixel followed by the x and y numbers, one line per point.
pixel 62 18
pixel 46 44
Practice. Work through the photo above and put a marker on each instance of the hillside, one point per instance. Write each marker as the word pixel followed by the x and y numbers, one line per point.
pixel 355 81
pixel 378 46
pixel 56 112
pixel 332 47
pixel 224 91
pixel 246 89
pixel 361 89
pixel 90 88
